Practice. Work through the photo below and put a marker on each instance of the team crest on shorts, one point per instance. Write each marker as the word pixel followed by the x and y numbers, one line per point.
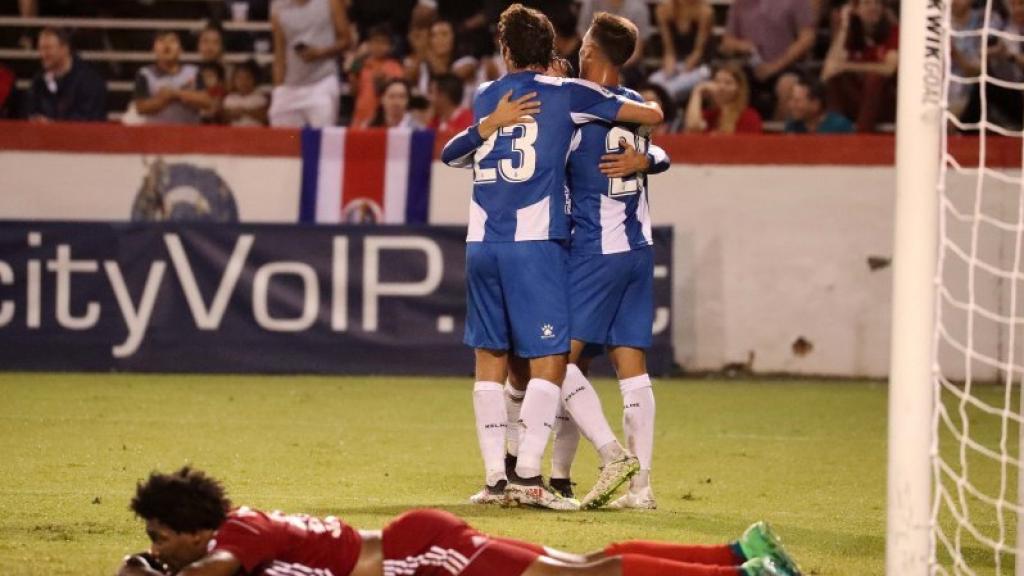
pixel 547 331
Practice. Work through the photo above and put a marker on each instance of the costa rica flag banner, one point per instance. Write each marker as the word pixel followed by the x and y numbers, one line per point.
pixel 367 176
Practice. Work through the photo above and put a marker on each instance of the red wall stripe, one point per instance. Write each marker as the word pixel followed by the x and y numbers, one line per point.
pixel 784 149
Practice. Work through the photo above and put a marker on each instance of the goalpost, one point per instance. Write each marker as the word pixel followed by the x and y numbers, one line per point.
pixel 955 485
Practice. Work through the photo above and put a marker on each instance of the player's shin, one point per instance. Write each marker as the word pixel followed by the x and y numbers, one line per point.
pixel 536 420
pixel 638 422
pixel 513 407
pixel 489 408
pixel 583 404
pixel 637 565
pixel 563 451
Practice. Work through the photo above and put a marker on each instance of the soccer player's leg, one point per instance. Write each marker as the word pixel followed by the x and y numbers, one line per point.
pixel 596 288
pixel 515 391
pixel 487 333
pixel 534 282
pixel 628 337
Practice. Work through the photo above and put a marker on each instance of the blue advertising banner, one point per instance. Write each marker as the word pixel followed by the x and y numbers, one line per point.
pixel 247 298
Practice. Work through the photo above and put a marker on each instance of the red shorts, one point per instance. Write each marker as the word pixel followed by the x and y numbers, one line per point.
pixel 436 543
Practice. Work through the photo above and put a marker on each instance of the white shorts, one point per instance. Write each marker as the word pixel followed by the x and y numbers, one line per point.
pixel 314 105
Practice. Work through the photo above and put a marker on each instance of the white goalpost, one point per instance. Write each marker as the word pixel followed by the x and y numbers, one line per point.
pixel 957 355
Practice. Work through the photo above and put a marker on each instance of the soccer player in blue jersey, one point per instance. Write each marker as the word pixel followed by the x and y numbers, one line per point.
pixel 611 270
pixel 516 254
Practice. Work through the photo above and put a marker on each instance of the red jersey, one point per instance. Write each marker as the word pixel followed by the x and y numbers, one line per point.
pixel 460 119
pixel 749 121
pixel 279 543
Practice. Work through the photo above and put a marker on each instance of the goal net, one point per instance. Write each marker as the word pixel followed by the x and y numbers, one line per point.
pixel 965 116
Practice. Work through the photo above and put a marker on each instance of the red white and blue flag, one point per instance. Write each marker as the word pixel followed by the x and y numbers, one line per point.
pixel 366 176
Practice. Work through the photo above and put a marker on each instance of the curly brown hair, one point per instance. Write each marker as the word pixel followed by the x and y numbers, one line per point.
pixel 528 36
pixel 186 501
pixel 615 36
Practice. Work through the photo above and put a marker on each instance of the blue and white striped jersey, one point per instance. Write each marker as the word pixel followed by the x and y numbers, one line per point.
pixel 610 215
pixel 519 172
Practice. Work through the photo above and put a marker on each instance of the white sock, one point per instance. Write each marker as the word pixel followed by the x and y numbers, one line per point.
pixel 513 405
pixel 638 419
pixel 584 406
pixel 567 439
pixel 489 408
pixel 536 420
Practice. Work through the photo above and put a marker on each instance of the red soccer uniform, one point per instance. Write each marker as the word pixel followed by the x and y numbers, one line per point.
pixel 277 543
pixel 436 543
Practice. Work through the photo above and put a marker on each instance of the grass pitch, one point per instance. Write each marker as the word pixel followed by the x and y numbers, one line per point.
pixel 809 456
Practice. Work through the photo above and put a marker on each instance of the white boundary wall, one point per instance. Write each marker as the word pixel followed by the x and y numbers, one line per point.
pixel 758 267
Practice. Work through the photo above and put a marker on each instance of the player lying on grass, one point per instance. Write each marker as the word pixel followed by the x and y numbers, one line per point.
pixel 195 531
pixel 516 255
pixel 611 268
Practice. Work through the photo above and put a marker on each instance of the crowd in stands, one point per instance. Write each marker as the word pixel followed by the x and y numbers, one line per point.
pixel 802 66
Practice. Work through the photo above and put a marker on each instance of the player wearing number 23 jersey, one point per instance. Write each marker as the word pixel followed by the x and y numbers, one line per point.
pixel 519 213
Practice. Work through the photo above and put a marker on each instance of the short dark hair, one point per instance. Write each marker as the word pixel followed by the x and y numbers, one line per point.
pixel 815 88
pixel 528 36
pixel 213 25
pixel 250 66
pixel 162 33
pixel 186 501
pixel 451 86
pixel 669 107
pixel 615 37
pixel 217 68
pixel 379 31
pixel 61 34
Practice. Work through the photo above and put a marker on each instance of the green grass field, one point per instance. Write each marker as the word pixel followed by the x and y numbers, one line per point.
pixel 809 456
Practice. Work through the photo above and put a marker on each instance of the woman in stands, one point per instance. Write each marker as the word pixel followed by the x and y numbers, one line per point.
pixel 729 110
pixel 684 27
pixel 393 110
pixel 860 69
pixel 438 59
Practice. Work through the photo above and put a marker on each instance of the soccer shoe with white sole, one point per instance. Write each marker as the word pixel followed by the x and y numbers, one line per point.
pixel 759 541
pixel 490 494
pixel 613 475
pixel 763 566
pixel 642 499
pixel 532 492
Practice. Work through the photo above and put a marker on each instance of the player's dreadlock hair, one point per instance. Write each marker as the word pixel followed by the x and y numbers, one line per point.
pixel 528 36
pixel 615 36
pixel 186 501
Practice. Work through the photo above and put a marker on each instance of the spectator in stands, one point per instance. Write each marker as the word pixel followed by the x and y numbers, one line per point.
pixel 807 113
pixel 567 37
pixel 729 109
pixel 860 69
pixel 309 36
pixel 772 37
pixel 449 113
pixel 440 59
pixel 211 44
pixel 1005 62
pixel 672 122
pixel 8 93
pixel 469 25
pixel 169 92
pixel 635 11
pixel 371 70
pixel 212 75
pixel 245 105
pixel 684 27
pixel 419 109
pixel 965 52
pixel 393 110
pixel 66 88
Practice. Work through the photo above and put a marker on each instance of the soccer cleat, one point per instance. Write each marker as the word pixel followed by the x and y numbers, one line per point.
pixel 563 487
pixel 759 541
pixel 613 475
pixel 532 492
pixel 642 499
pixel 490 494
pixel 763 566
